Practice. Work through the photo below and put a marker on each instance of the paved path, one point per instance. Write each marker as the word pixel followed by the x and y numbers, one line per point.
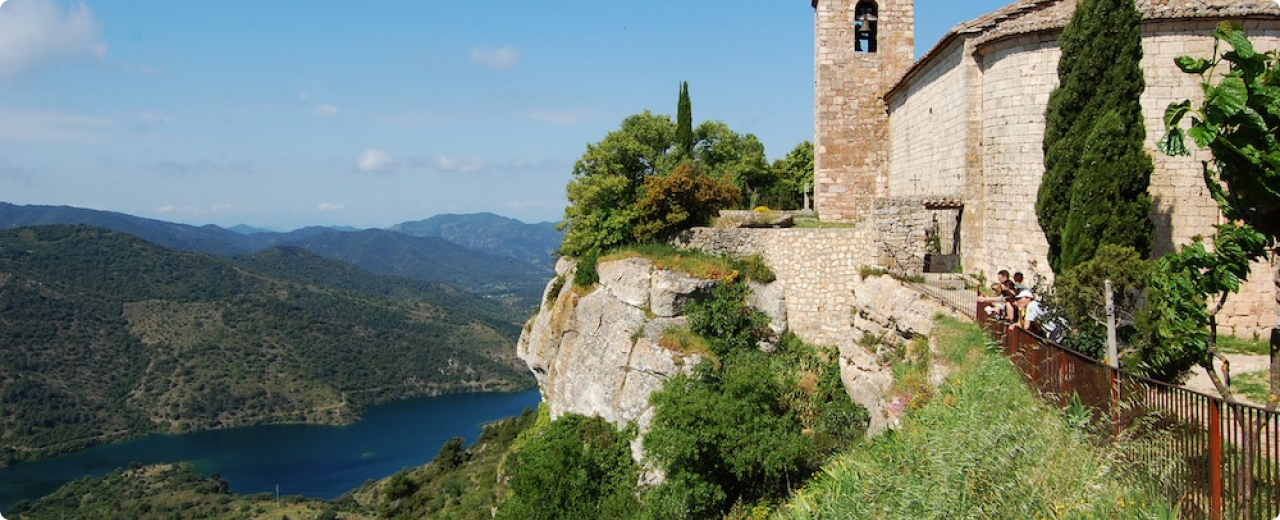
pixel 1240 364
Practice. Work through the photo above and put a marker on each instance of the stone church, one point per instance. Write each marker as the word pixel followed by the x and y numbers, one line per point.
pixel 955 137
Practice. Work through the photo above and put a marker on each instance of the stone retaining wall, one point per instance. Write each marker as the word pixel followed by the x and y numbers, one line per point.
pixel 819 269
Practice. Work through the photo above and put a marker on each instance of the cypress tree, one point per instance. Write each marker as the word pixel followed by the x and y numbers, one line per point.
pixel 1097 172
pixel 684 122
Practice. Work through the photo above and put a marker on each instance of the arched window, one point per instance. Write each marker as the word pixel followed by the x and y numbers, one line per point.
pixel 864 26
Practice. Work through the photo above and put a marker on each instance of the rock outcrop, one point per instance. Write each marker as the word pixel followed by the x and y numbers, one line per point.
pixel 598 352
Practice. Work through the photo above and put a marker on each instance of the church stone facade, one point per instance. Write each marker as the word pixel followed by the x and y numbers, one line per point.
pixel 956 137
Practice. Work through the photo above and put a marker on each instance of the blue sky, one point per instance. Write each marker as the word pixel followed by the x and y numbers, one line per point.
pixel 285 113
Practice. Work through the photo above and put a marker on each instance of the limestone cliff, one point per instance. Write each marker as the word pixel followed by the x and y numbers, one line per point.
pixel 597 352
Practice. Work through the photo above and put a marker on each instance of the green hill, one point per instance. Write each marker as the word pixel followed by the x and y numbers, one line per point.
pixel 106 337
pixel 493 234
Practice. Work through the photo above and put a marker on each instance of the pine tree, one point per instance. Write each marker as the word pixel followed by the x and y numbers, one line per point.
pixel 684 122
pixel 1097 172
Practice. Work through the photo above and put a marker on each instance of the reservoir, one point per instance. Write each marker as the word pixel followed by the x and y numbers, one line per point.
pixel 310 460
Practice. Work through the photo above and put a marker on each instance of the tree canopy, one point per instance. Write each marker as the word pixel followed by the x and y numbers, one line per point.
pixel 1097 172
pixel 647 180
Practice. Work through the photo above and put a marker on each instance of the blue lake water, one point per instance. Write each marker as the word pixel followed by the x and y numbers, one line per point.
pixel 309 460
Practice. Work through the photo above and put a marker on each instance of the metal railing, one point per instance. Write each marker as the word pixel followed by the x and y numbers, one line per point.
pixel 1222 459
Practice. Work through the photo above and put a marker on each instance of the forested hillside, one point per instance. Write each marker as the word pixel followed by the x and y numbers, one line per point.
pixel 107 336
pixel 494 234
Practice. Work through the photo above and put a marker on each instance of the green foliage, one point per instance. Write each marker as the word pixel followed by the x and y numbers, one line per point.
pixel 168 491
pixel 792 174
pixel 584 273
pixel 726 320
pixel 698 263
pixel 452 453
pixel 1179 328
pixel 1094 189
pixel 456 485
pixel 1178 324
pixel 978 451
pixel 727 436
pixel 627 188
pixel 726 154
pixel 745 431
pixel 680 200
pixel 577 467
pixel 684 122
pixel 1237 122
pixel 1078 297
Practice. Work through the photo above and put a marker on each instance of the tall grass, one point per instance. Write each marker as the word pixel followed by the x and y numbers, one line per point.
pixel 697 263
pixel 983 447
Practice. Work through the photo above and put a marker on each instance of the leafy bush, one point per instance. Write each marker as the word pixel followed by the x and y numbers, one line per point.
pixel 680 200
pixel 726 320
pixel 577 467
pixel 585 274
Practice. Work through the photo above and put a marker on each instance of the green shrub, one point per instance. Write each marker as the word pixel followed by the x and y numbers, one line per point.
pixel 575 468
pixel 585 275
pixel 726 320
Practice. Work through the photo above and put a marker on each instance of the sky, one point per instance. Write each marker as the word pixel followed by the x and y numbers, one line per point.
pixel 289 113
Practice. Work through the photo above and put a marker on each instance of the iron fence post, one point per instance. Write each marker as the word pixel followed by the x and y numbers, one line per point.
pixel 1215 460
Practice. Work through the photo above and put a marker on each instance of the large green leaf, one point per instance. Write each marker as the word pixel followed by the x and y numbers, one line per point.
pixel 1229 96
pixel 1235 36
pixel 1191 65
pixel 1173 142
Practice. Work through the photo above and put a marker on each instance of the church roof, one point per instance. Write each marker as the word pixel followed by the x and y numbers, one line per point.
pixel 1026 16
pixel 1032 16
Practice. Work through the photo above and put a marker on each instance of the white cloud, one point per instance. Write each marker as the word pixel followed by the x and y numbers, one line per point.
pixel 35 33
pixel 330 206
pixel 445 163
pixel 375 161
pixel 501 58
pixel 326 109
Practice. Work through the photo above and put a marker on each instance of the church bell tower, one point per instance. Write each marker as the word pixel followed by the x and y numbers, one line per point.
pixel 861 47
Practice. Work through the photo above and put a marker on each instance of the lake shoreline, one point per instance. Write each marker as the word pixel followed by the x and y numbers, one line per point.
pixel 314 461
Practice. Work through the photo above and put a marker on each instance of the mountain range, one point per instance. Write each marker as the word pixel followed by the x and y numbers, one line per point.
pixel 484 253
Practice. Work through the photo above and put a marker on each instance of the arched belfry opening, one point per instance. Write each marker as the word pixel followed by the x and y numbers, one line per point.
pixel 865 17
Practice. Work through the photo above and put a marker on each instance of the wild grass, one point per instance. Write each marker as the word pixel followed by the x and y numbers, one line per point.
pixel 984 447
pixel 1234 345
pixel 687 342
pixel 1256 386
pixel 697 263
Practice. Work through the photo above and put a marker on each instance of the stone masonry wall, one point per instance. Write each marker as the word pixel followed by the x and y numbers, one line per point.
pixel 928 131
pixel 1017 77
pixel 850 116
pixel 820 266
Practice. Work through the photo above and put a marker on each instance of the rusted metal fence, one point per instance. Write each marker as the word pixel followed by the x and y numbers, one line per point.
pixel 1218 460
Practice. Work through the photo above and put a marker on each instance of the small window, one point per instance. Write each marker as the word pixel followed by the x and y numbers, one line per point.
pixel 864 26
